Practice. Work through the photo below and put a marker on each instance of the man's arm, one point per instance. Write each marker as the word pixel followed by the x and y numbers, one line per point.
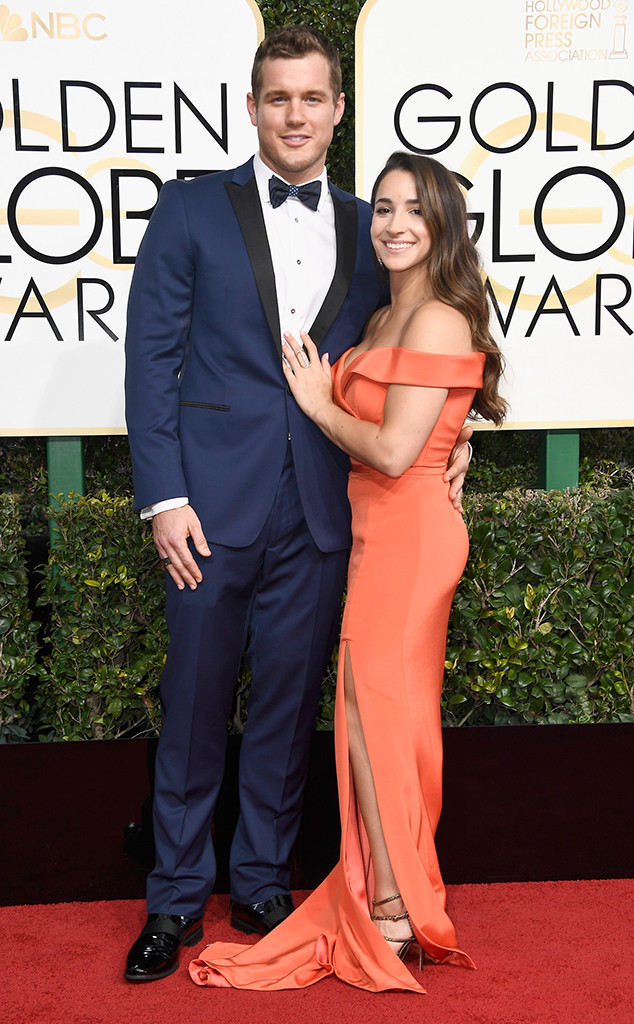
pixel 159 312
pixel 458 465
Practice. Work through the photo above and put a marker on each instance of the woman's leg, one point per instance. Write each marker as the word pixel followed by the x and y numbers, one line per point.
pixel 385 884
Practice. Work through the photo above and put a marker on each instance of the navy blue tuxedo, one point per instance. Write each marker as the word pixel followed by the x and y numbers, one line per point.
pixel 209 416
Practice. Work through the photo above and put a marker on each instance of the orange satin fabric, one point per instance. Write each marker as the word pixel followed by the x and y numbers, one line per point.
pixel 408 553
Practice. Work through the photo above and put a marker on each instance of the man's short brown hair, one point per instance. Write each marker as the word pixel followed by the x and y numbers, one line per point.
pixel 294 41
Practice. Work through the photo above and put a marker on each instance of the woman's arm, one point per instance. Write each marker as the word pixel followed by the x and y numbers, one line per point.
pixel 410 411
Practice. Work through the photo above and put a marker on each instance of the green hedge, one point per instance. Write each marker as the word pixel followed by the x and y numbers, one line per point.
pixel 542 626
pixel 18 633
pixel 107 639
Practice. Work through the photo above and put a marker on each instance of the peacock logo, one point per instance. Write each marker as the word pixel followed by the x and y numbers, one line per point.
pixel 11 30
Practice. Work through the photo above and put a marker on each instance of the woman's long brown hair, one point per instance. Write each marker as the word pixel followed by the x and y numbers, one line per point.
pixel 454 265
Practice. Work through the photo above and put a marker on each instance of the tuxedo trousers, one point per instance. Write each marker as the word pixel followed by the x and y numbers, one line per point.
pixel 279 600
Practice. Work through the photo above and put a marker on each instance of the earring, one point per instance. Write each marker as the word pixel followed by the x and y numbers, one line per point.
pixel 378 258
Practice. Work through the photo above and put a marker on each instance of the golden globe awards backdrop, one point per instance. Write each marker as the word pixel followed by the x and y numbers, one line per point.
pixel 98 106
pixel 532 103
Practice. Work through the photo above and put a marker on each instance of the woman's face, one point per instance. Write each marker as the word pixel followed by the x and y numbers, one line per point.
pixel 399 234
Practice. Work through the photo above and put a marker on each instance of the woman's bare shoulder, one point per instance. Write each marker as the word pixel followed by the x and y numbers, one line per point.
pixel 437 327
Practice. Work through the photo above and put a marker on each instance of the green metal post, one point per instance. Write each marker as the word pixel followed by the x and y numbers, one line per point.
pixel 65 459
pixel 559 460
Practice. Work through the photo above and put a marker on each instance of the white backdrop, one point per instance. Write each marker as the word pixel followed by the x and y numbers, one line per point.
pixel 97 107
pixel 532 102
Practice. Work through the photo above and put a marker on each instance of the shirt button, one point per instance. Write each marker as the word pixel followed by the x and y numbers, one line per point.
pixel 299 263
pixel 292 310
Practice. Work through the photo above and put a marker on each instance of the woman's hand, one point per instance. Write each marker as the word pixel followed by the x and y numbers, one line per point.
pixel 308 376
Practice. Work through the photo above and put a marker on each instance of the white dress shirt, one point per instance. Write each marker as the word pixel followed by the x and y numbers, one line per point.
pixel 303 250
pixel 303 247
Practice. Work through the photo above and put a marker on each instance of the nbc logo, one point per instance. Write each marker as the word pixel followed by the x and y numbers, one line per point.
pixel 54 25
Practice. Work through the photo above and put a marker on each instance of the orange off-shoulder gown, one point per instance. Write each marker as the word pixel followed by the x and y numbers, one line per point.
pixel 408 553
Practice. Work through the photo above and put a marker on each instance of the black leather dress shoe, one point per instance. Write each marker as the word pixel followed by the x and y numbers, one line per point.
pixel 155 953
pixel 261 917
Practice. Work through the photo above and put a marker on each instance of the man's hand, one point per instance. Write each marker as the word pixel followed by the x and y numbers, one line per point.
pixel 457 468
pixel 171 530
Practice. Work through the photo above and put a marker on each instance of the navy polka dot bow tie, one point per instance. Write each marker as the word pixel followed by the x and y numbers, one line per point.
pixel 309 194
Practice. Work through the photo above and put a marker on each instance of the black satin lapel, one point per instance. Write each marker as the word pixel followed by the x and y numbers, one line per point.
pixel 246 206
pixel 346 223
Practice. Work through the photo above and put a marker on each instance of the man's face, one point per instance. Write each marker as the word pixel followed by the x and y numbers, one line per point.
pixel 295 115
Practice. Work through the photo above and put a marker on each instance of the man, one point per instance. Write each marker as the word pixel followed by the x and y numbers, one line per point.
pixel 222 456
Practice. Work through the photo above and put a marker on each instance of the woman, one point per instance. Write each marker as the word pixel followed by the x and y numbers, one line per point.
pixel 395 404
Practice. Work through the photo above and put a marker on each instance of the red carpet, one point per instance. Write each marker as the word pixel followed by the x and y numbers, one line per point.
pixel 547 953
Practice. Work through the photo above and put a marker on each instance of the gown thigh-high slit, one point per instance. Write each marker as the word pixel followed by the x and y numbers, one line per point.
pixel 408 552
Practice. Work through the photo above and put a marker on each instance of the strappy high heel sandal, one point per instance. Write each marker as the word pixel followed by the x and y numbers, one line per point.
pixel 403 944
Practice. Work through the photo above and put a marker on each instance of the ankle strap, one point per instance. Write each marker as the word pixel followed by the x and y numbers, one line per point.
pixel 379 903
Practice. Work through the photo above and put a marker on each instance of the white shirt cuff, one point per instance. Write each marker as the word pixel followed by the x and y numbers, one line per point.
pixel 162 506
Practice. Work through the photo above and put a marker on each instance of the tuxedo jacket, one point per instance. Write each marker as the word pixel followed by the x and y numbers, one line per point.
pixel 208 409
